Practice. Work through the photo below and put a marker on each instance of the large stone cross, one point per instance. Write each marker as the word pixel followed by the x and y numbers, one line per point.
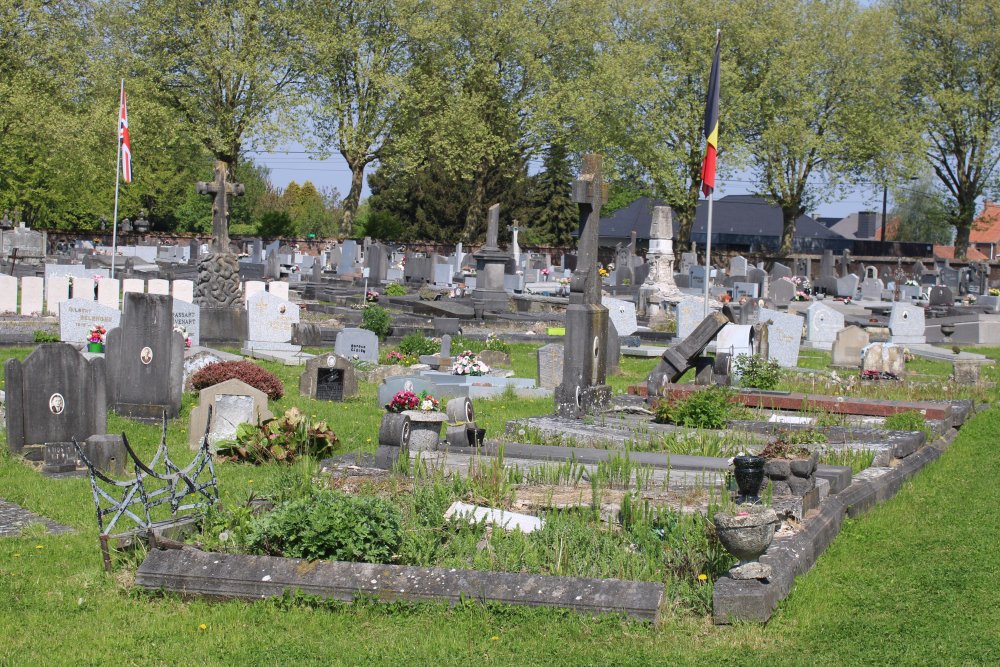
pixel 220 189
pixel 590 192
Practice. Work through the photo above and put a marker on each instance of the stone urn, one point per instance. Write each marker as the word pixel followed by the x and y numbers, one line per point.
pixel 746 534
pixel 749 474
pixel 425 428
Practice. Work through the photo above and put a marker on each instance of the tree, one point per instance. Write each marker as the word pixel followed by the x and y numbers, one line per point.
pixel 356 56
pixel 818 77
pixel 554 217
pixel 229 67
pixel 953 85
pixel 922 212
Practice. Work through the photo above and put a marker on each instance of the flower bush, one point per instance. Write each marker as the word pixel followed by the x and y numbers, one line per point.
pixel 994 291
pixel 469 364
pixel 407 400
pixel 97 334
pixel 394 358
pixel 247 371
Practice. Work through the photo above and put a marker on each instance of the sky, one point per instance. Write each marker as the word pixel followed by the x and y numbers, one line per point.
pixel 296 164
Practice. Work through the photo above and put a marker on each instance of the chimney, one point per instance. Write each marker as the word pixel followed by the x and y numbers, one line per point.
pixel 867 221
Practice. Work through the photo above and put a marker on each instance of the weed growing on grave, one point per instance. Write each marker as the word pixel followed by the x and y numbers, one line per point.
pixel 856 459
pixel 416 344
pixel 805 436
pixel 42 336
pixel 282 439
pixel 497 344
pixel 911 420
pixel 376 319
pixel 757 372
pixel 708 408
pixel 394 289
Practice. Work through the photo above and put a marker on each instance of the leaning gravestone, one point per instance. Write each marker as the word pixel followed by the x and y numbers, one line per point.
pixel 884 358
pixel 550 365
pixel 784 335
pixel 622 314
pixel 906 324
pixel 328 377
pixel 233 402
pixel 145 359
pixel 78 316
pixel 357 343
pixel 54 395
pixel 823 324
pixel 847 347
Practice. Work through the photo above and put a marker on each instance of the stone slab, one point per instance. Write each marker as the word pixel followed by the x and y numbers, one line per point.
pixel 237 576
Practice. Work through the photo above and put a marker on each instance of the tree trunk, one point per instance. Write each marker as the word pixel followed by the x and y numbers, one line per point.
pixel 963 222
pixel 788 216
pixel 353 196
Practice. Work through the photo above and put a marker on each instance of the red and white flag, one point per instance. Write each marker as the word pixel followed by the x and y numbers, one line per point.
pixel 123 137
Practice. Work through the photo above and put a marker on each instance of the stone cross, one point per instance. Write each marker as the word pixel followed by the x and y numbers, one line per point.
pixel 492 228
pixel 5 222
pixel 220 189
pixel 589 192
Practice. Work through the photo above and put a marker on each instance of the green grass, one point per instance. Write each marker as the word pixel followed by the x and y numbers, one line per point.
pixel 912 582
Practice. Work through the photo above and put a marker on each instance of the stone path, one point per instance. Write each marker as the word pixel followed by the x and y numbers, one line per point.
pixel 13 518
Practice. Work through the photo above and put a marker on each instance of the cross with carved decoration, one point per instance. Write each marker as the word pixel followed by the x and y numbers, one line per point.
pixel 590 192
pixel 220 189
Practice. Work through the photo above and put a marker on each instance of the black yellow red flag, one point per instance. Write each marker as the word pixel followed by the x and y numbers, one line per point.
pixel 711 123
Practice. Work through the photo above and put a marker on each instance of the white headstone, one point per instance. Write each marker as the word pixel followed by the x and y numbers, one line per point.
pixel 188 315
pixel 270 319
pixel 56 291
pixel 734 339
pixel 622 314
pixel 83 288
pixel 252 287
pixel 278 288
pixel 32 290
pixel 133 285
pixel 823 323
pixel 158 286
pixel 107 292
pixel 183 290
pixel 78 316
pixel 784 336
pixel 906 324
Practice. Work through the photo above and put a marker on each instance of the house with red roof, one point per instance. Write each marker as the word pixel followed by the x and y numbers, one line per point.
pixel 985 233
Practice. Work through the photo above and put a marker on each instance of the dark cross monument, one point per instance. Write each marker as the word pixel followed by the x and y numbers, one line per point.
pixel 490 262
pixel 585 361
pixel 218 285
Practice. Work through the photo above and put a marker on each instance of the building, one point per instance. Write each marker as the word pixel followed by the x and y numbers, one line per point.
pixel 985 233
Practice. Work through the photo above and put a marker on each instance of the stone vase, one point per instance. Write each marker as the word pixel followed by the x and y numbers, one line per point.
pixel 746 534
pixel 749 474
pixel 425 429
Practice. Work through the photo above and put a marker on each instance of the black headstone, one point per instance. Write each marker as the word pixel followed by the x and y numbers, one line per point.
pixel 329 384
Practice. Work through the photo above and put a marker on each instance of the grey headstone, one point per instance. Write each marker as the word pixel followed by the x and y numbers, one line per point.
pixel 328 377
pixel 415 383
pixel 622 314
pixel 188 315
pixel 738 266
pixel 847 286
pixel 784 336
pixel 871 289
pixel 54 395
pixel 690 313
pixel 848 345
pixel 78 316
pixel 823 323
pixel 745 289
pixel 782 292
pixel 357 343
pixel 550 365
pixel 779 271
pixel 941 295
pixel 906 324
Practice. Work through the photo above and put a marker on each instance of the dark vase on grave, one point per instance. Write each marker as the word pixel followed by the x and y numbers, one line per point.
pixel 749 474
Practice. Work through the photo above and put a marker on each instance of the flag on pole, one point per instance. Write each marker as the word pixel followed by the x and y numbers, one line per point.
pixel 711 123
pixel 123 137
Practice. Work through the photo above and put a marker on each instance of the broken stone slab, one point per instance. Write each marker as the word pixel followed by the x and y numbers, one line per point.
pixel 526 523
pixel 751 571
pixel 229 576
pixel 677 359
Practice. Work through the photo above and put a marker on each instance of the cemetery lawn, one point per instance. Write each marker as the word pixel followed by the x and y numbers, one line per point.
pixel 910 582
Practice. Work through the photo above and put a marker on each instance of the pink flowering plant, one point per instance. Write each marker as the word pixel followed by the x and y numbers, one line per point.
pixel 97 334
pixel 408 400
pixel 371 296
pixel 394 358
pixel 469 364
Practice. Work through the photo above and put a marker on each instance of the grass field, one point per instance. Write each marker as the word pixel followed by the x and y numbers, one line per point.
pixel 912 582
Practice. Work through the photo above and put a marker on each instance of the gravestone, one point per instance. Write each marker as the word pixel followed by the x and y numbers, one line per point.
pixel 490 294
pixel 218 285
pixel 823 324
pixel 56 291
pixel 78 316
pixel 357 343
pixel 847 286
pixel 779 271
pixel 55 395
pixel 84 288
pixel 784 336
pixel 758 276
pixel 622 315
pixel 145 360
pixel 941 295
pixel 183 290
pixel 826 283
pixel 583 389
pixel 158 286
pixel 906 324
pixel 885 358
pixel 738 266
pixel 108 293
pixel 949 276
pixel 782 292
pixel 32 292
pixel 871 289
pixel 133 285
pixel 748 290
pixel 328 377
pixel 188 315
pixel 550 365
pixel 269 323
pixel 847 347
pixel 348 257
pixel 393 385
pixel 690 313
pixel 734 340
pixel 233 402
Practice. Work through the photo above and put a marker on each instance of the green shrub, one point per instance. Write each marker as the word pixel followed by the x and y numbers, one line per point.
pixel 42 336
pixel 757 372
pixel 911 420
pixel 394 289
pixel 280 439
pixel 330 526
pixel 415 344
pixel 708 408
pixel 495 343
pixel 376 319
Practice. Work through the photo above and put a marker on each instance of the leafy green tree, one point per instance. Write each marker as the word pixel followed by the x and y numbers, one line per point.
pixel 952 84
pixel 922 212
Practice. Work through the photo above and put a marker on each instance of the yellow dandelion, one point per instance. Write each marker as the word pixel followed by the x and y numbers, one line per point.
pixel 249 481
pixel 702 577
pixel 39 546
pixel 494 638
pixel 203 627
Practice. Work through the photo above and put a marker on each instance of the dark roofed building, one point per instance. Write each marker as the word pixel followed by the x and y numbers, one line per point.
pixel 739 222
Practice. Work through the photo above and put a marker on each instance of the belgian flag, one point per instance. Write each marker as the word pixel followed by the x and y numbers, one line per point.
pixel 711 123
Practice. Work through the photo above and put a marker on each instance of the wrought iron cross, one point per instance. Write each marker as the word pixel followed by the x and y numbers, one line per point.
pixel 220 189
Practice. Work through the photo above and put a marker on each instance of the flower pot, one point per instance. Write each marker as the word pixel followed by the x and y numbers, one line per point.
pixel 95 347
pixel 395 429
pixel 425 429
pixel 749 474
pixel 477 436
pixel 746 534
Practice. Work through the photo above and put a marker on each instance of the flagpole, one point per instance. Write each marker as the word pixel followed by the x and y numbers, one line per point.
pixel 708 250
pixel 118 173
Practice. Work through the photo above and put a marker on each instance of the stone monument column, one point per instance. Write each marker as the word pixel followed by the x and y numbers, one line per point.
pixel 659 285
pixel 585 360
pixel 490 262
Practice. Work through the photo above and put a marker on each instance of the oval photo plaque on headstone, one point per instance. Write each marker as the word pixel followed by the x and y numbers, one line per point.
pixel 57 404
pixel 146 355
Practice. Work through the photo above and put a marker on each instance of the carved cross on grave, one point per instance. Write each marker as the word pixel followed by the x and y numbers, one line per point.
pixel 220 189
pixel 590 192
